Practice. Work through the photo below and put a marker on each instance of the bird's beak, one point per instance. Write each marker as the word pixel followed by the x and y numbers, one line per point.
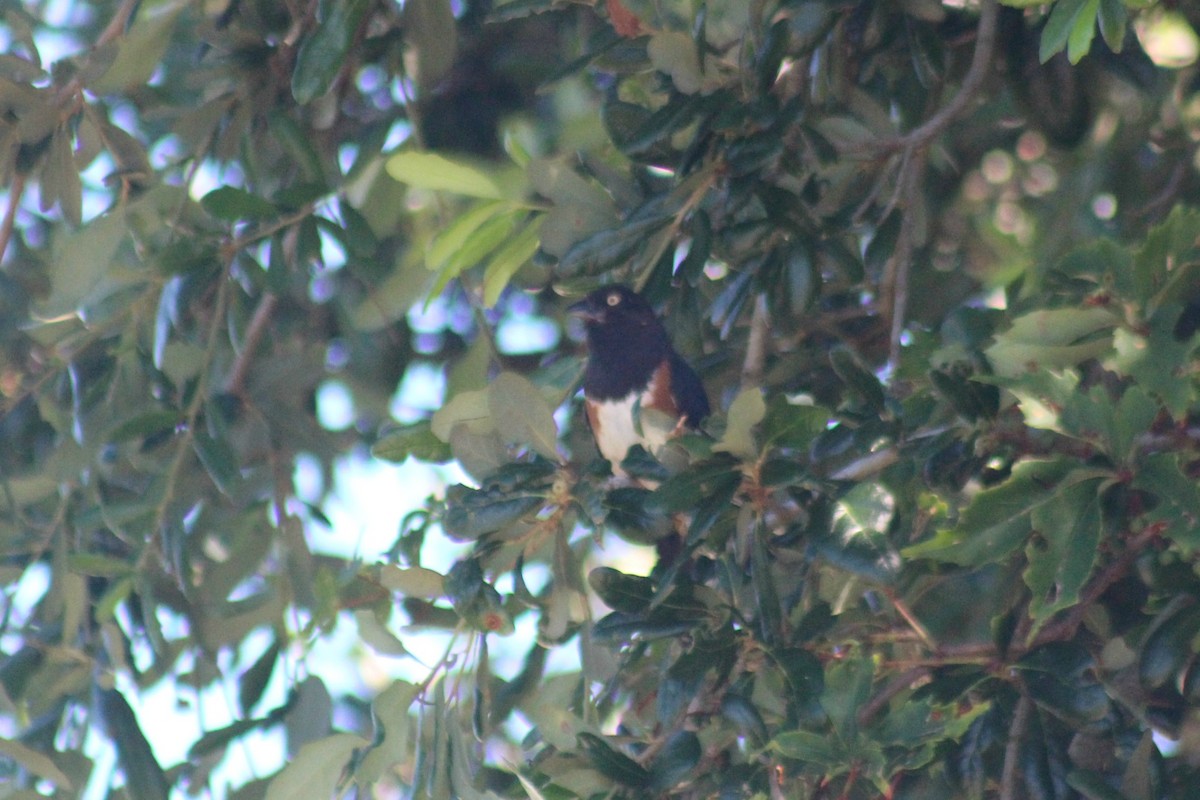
pixel 586 311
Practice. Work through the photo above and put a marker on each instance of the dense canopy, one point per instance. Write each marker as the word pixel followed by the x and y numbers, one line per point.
pixel 936 263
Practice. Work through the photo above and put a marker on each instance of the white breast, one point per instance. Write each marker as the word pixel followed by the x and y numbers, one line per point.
pixel 630 421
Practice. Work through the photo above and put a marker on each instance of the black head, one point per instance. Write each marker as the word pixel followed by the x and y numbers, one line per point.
pixel 626 340
pixel 615 306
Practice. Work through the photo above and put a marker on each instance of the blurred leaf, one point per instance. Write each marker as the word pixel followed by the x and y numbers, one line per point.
pixel 611 763
pixel 144 778
pixel 621 592
pixel 522 415
pixel 675 54
pixel 82 266
pixel 474 513
pixel 417 440
pixel 745 412
pixel 141 49
pixel 231 204
pixel 317 769
pixel 412 581
pixel 376 635
pixel 506 261
pixel 470 409
pixel 1052 339
pixel 678 757
pixel 253 681
pixel 322 53
pixel 1168 646
pixel 457 175
pixel 998 519
pixel 219 460
pixel 38 763
pixel 1062 553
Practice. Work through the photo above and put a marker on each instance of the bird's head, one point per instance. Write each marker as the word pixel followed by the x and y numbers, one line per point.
pixel 612 307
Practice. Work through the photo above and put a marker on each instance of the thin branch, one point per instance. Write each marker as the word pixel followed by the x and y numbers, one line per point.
pixel 756 346
pixel 908 678
pixel 981 60
pixel 894 288
pixel 200 394
pixel 10 213
pixel 1065 627
pixel 1011 774
pixel 235 384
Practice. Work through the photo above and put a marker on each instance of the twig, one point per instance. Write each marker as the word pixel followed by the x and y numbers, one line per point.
pixel 756 346
pixel 1065 627
pixel 10 213
pixel 872 707
pixel 235 384
pixel 192 415
pixel 920 630
pixel 1011 773
pixel 894 287
pixel 981 59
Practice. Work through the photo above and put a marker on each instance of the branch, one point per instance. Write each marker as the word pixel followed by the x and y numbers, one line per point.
pixel 1065 627
pixel 981 60
pixel 756 347
pixel 10 213
pixel 1012 751
pixel 235 384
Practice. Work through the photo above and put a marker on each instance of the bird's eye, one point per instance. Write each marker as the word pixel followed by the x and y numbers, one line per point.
pixel 613 299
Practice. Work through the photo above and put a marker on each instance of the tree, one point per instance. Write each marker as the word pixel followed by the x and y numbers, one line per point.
pixel 935 263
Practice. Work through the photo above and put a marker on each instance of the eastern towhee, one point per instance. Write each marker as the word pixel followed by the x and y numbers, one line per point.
pixel 636 388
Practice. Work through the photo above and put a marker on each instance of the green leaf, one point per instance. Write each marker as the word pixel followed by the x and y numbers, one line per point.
pixel 219 460
pixel 253 681
pixel 1153 358
pixel 443 173
pixel 417 440
pixel 612 764
pixel 506 261
pixel 38 763
pixel 678 757
pixel 316 770
pixel 141 49
pixel 816 750
pixel 1083 31
pixel 449 242
pixel 675 53
pixel 859 380
pixel 144 778
pixel 522 415
pixel 1063 18
pixel 231 204
pixel 82 266
pixel 60 179
pixel 1113 20
pixel 322 54
pixel 376 635
pixel 1162 476
pixel 473 513
pixel 621 592
pixel 997 521
pixel 469 409
pixel 745 412
pixel 1169 644
pixel 1052 339
pixel 1061 556
pixel 144 425
pixel 412 581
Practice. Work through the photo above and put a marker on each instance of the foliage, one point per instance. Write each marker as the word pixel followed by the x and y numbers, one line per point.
pixel 936 264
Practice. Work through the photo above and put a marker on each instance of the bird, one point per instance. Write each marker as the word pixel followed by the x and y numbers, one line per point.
pixel 637 389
